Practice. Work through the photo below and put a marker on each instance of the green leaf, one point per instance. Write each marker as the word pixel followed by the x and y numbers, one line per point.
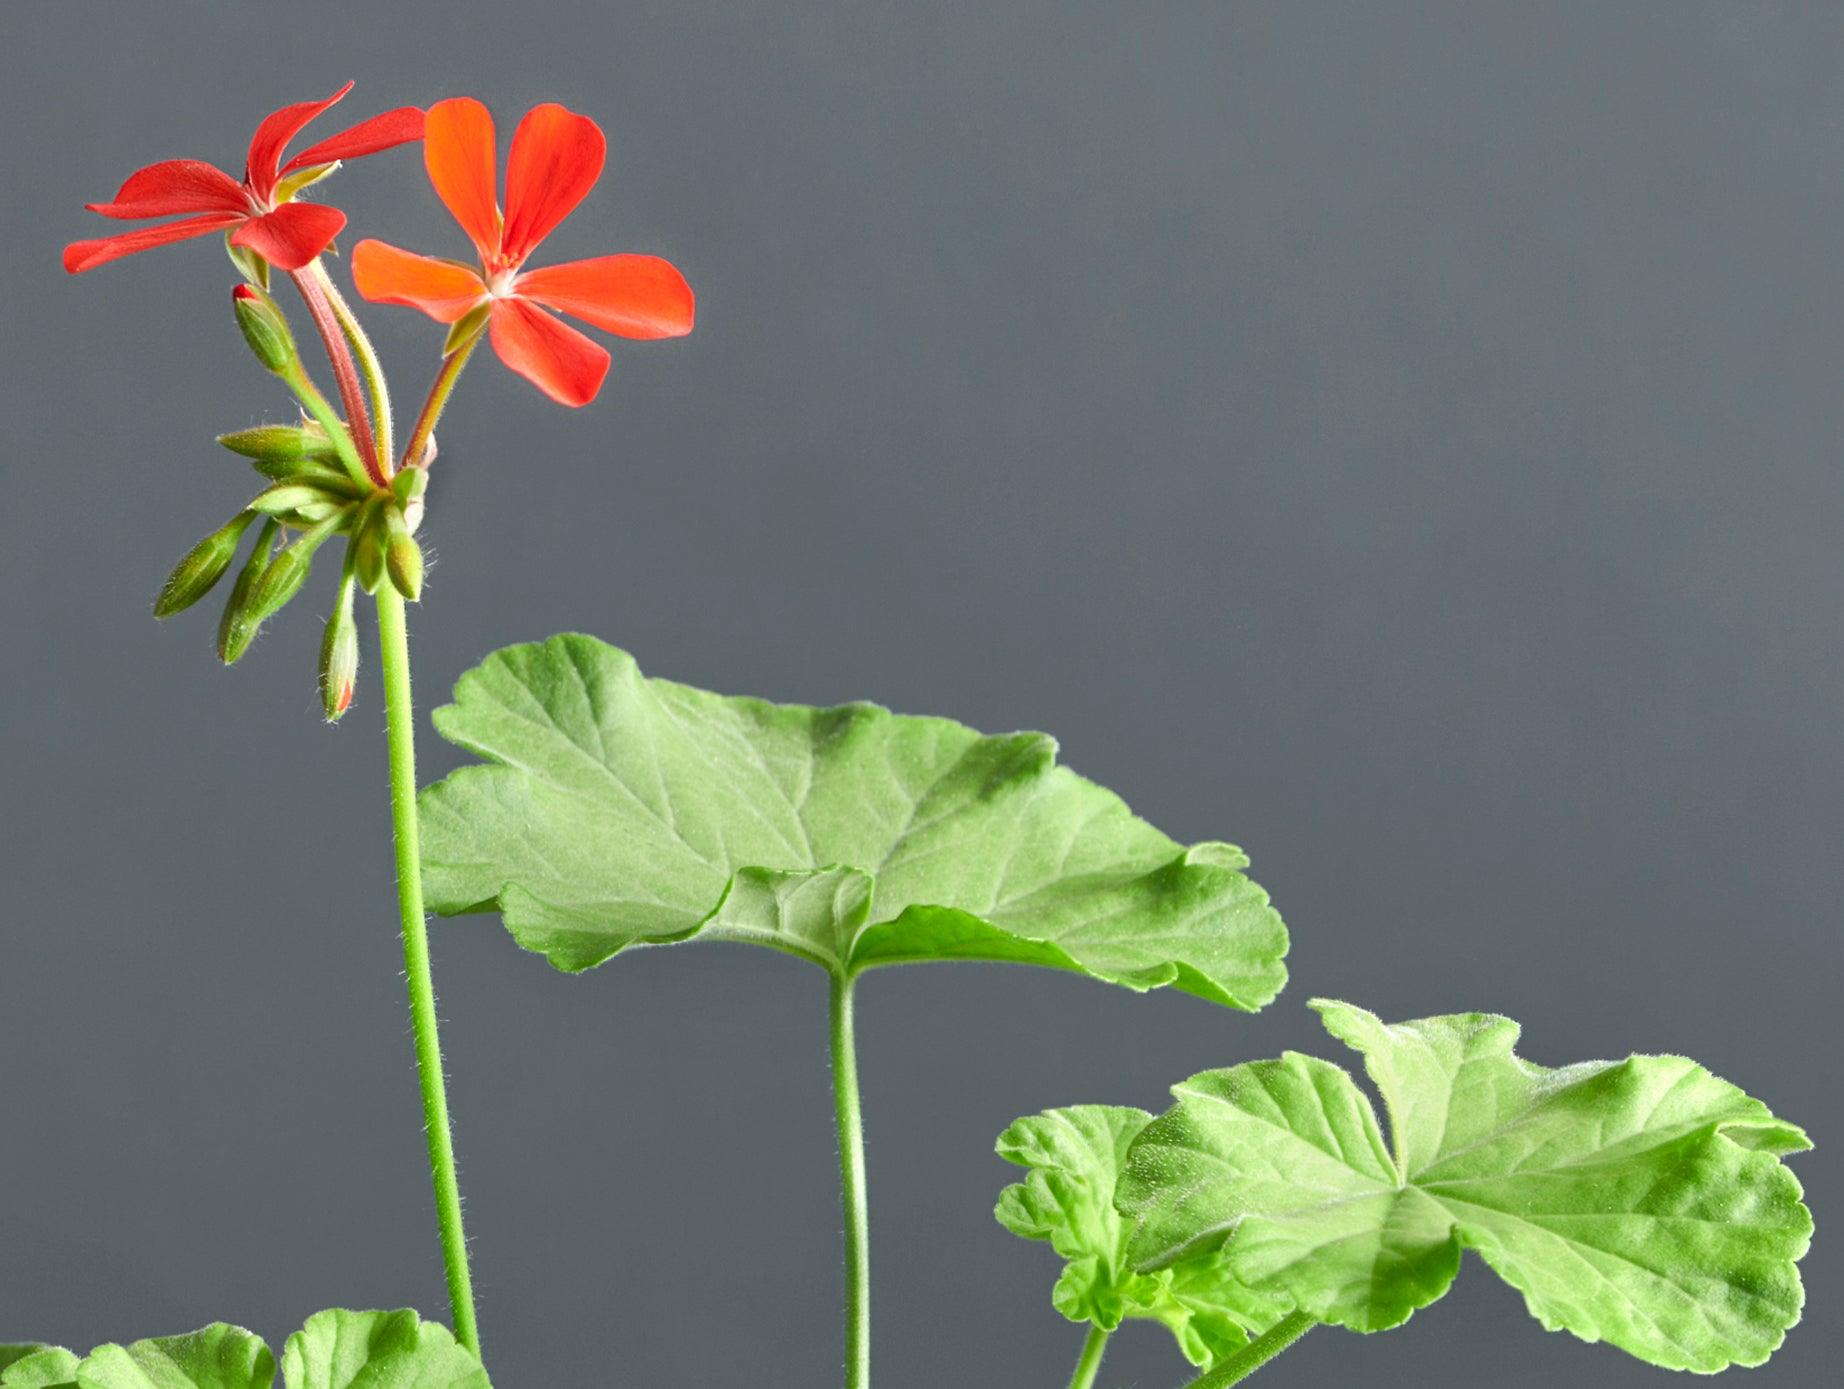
pixel 377 1350
pixel 1074 1157
pixel 618 811
pixel 37 1367
pixel 1640 1202
pixel 216 1357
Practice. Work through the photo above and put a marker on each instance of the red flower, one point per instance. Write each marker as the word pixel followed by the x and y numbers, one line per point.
pixel 556 159
pixel 285 233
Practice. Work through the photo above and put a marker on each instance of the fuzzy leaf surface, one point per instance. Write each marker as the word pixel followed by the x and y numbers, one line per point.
pixel 1640 1202
pixel 37 1367
pixel 377 1350
pixel 214 1357
pixel 1074 1157
pixel 614 810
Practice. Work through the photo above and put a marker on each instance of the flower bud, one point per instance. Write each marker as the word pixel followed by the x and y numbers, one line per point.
pixel 408 486
pixel 403 559
pixel 264 328
pixel 287 497
pixel 281 444
pixel 195 575
pixel 286 573
pixel 339 655
pixel 368 546
pixel 237 628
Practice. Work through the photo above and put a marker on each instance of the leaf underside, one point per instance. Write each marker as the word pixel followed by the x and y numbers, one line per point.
pixel 1073 1158
pixel 1640 1202
pixel 613 810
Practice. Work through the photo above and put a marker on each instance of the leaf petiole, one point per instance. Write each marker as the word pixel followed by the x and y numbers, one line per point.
pixel 1090 1361
pixel 1256 1353
pixel 850 1117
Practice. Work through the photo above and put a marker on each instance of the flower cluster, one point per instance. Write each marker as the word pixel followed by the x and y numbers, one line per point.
pixel 335 472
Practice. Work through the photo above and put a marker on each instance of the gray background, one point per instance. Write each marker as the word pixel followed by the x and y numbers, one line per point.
pixel 1400 439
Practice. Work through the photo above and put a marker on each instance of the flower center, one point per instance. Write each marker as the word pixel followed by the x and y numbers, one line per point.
pixel 499 282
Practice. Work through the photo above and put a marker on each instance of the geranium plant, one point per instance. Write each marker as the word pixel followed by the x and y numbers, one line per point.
pixel 1643 1203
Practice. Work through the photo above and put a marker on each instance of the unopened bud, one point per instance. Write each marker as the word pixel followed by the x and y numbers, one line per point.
pixel 275 445
pixel 286 573
pixel 403 558
pixel 339 656
pixel 264 328
pixel 237 628
pixel 287 497
pixel 195 575
pixel 368 546
pixel 408 485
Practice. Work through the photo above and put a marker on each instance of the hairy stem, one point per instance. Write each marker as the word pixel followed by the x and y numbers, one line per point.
pixel 345 374
pixel 328 419
pixel 439 391
pixel 1090 1362
pixel 394 644
pixel 1256 1353
pixel 850 1118
pixel 369 365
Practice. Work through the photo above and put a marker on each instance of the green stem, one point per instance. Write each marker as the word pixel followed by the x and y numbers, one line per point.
pixel 369 366
pixel 394 646
pixel 1086 1367
pixel 317 405
pixel 850 1118
pixel 1256 1353
pixel 439 390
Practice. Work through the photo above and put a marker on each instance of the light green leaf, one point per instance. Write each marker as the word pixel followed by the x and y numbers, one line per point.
pixel 216 1357
pixel 37 1367
pixel 377 1350
pixel 612 811
pixel 616 811
pixel 1640 1202
pixel 1074 1156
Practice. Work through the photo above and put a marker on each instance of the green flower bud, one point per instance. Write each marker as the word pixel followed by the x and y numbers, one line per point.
pixel 403 559
pixel 281 444
pixel 237 628
pixel 286 573
pixel 339 654
pixel 286 497
pixel 264 328
pixel 368 546
pixel 408 486
pixel 198 573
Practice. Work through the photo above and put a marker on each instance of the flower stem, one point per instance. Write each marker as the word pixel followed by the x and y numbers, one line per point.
pixel 394 644
pixel 1256 1353
pixel 369 365
pixel 345 374
pixel 850 1118
pixel 439 391
pixel 1086 1367
pixel 317 405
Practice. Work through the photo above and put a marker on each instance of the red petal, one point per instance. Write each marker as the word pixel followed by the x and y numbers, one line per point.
pixel 175 185
pixel 272 137
pixel 553 356
pixel 635 296
pixel 292 235
pixel 440 288
pixel 458 151
pixel 87 255
pixel 556 158
pixel 383 132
